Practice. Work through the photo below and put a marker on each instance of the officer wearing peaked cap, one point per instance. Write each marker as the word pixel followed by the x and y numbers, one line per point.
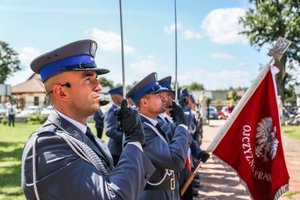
pixel 166 82
pixel 169 95
pixel 186 101
pixel 112 130
pixel 166 117
pixel 63 159
pixel 148 85
pixel 195 149
pixel 167 153
pixel 183 96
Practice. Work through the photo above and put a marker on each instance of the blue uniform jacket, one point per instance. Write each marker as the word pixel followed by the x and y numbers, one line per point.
pixel 62 174
pixel 165 156
pixel 113 131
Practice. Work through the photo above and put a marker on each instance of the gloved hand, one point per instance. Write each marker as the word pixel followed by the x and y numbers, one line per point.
pixel 178 114
pixel 183 102
pixel 205 156
pixel 130 123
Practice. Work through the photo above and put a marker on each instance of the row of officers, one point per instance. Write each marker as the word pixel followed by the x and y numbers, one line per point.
pixel 151 141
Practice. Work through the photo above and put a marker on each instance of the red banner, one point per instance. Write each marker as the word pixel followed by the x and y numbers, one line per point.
pixel 250 141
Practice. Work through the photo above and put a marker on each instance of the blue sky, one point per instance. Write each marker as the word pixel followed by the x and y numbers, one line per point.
pixel 209 49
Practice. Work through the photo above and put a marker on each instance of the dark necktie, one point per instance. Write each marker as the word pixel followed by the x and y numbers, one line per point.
pixel 158 127
pixel 92 138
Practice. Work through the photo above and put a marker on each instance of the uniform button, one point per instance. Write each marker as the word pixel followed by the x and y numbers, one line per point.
pixel 146 176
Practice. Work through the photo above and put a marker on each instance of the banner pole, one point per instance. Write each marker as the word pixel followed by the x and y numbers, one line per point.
pixel 176 82
pixel 190 179
pixel 122 50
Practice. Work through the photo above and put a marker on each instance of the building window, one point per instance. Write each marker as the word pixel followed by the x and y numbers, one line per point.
pixel 36 101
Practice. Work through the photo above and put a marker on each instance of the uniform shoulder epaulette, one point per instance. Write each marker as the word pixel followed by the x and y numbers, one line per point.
pixel 46 128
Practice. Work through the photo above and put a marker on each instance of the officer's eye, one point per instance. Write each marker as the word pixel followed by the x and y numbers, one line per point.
pixel 89 77
pixel 88 81
pixel 159 95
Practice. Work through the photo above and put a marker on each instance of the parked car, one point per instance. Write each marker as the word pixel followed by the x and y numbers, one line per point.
pixel 212 112
pixel 30 110
pixel 288 114
pixel 293 110
pixel 225 112
pixel 2 110
pixel 47 110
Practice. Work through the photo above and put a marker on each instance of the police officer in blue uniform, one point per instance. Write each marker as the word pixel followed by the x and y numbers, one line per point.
pixel 169 96
pixel 63 159
pixel 194 147
pixel 187 101
pixel 167 153
pixel 197 154
pixel 99 122
pixel 111 127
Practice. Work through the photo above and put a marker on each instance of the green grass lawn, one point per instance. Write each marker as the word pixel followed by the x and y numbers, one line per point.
pixel 12 140
pixel 292 131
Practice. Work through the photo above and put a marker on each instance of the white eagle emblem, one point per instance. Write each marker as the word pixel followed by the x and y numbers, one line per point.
pixel 266 142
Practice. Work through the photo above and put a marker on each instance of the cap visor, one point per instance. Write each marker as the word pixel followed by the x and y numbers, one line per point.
pixel 99 71
pixel 161 89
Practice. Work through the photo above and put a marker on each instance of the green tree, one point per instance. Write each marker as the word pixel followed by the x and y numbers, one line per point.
pixel 105 82
pixel 9 62
pixel 195 86
pixel 234 97
pixel 290 95
pixel 265 22
pixel 208 102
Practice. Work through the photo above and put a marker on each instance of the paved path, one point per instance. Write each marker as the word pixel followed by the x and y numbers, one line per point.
pixel 221 183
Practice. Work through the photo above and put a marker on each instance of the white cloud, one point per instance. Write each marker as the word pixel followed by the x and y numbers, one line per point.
pixel 189 34
pixel 217 80
pixel 144 66
pixel 27 54
pixel 109 41
pixel 222 26
pixel 224 56
pixel 171 28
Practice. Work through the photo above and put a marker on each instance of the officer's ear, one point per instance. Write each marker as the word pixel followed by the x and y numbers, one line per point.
pixel 144 101
pixel 60 92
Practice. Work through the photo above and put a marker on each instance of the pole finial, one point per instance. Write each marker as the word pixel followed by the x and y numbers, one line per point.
pixel 280 47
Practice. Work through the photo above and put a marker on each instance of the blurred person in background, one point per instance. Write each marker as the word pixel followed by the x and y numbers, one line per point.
pixel 11 113
pixel 111 127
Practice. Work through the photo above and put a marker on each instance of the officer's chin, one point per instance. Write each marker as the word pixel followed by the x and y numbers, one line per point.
pixel 164 109
pixel 96 107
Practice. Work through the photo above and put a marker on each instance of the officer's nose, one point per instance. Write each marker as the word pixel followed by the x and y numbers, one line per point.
pixel 163 98
pixel 99 87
